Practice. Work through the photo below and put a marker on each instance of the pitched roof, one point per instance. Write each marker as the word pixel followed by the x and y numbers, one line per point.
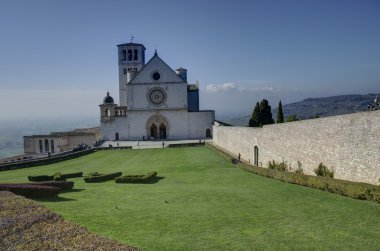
pixel 153 65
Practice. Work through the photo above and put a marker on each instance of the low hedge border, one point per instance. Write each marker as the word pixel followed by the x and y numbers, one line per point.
pixel 31 190
pixel 102 178
pixel 186 145
pixel 136 178
pixel 46 161
pixel 357 190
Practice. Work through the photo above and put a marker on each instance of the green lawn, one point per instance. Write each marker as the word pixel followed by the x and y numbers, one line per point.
pixel 211 205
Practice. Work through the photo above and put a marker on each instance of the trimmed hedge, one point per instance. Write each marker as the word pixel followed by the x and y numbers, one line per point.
pixel 136 178
pixel 64 185
pixel 357 190
pixel 101 178
pixel 41 178
pixel 31 191
pixel 55 177
pixel 186 145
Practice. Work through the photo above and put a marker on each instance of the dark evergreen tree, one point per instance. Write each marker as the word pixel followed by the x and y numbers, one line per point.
pixel 265 113
pixel 280 115
pixel 262 114
pixel 254 121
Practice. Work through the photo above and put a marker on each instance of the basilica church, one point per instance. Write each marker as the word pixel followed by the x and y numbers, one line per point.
pixel 156 102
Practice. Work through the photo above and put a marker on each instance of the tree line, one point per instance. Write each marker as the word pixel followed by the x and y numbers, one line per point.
pixel 262 115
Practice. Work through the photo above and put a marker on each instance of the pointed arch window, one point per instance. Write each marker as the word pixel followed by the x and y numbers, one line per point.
pixel 124 55
pixel 46 145
pixel 129 55
pixel 41 146
pixel 256 156
pixel 135 54
pixel 52 146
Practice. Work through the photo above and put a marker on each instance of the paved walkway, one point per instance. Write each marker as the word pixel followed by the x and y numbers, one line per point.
pixel 149 144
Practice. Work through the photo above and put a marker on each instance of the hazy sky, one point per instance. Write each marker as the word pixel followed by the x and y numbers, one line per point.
pixel 58 58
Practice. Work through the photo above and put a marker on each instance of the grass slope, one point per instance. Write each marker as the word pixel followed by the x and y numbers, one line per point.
pixel 211 205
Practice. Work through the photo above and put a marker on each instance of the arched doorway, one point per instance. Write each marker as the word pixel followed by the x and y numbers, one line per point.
pixel 157 127
pixel 46 145
pixel 162 131
pixel 208 133
pixel 52 146
pixel 153 131
pixel 117 136
pixel 41 146
pixel 256 156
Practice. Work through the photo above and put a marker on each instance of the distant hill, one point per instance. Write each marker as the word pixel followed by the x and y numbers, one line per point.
pixel 319 107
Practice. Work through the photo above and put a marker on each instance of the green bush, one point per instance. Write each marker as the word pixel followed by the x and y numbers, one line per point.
pixel 356 190
pixel 31 191
pixel 282 166
pixel 322 170
pixel 102 178
pixel 64 185
pixel 137 178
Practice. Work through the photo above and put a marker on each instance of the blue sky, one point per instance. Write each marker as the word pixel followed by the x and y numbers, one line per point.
pixel 58 58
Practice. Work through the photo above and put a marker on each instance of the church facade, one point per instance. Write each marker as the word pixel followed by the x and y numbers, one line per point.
pixel 156 102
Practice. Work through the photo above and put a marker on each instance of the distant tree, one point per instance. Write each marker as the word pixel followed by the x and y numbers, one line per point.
pixel 280 115
pixel 266 113
pixel 292 118
pixel 262 114
pixel 255 119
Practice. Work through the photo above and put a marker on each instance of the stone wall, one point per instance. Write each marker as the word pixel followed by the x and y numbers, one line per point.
pixel 347 144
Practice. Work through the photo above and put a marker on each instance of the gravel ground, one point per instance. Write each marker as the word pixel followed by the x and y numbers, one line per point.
pixel 27 225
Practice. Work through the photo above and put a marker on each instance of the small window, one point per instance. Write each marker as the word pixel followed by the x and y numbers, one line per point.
pixel 124 55
pixel 135 56
pixel 156 76
pixel 125 71
pixel 129 55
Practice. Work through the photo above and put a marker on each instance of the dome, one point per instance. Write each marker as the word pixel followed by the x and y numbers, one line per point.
pixel 108 99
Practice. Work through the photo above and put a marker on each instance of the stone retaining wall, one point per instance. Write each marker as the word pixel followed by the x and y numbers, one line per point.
pixel 347 144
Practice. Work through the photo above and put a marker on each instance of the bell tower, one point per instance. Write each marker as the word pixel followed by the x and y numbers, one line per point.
pixel 131 61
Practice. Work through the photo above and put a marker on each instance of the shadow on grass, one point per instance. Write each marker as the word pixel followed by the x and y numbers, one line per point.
pixel 154 180
pixel 54 199
pixel 75 190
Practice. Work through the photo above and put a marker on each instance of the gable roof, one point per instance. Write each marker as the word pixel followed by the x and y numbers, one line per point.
pixel 156 64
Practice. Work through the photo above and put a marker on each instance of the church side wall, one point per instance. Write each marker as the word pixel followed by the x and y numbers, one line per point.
pixel 119 125
pixel 199 122
pixel 347 144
